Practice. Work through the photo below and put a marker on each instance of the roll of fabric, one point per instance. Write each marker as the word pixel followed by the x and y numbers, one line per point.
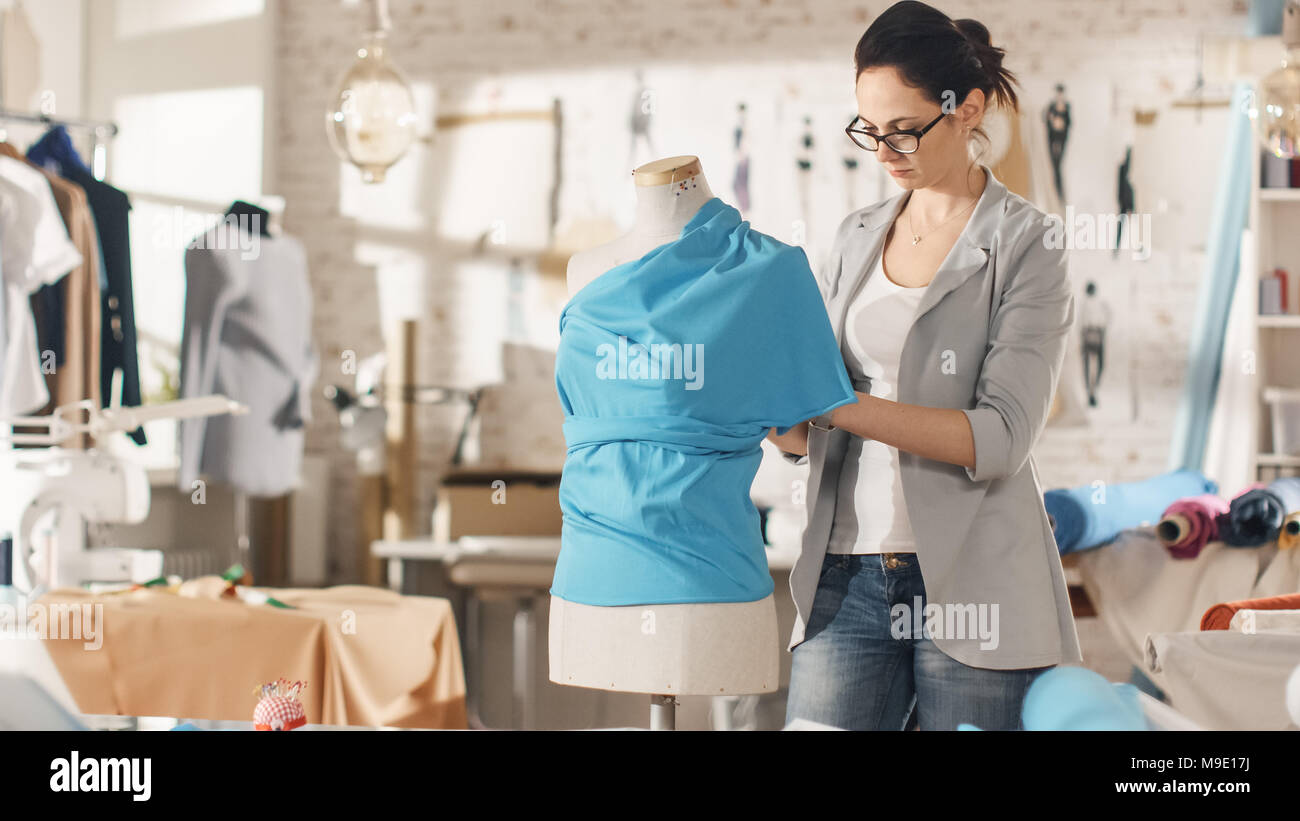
pixel 1088 516
pixel 1219 617
pixel 1289 537
pixel 1288 490
pixel 1191 523
pixel 1265 621
pixel 1254 518
pixel 1076 698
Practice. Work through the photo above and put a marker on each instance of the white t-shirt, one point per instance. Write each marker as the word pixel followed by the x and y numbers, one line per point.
pixel 36 251
pixel 870 516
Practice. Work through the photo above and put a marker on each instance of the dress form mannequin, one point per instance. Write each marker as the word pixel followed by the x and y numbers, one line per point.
pixel 665 650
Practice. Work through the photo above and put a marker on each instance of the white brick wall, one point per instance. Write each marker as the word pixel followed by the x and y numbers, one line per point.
pixel 1148 47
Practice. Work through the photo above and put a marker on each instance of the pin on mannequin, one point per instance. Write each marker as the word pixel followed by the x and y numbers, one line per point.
pixel 665 650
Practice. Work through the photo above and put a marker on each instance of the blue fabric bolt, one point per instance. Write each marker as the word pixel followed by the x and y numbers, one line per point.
pixel 670 370
pixel 1080 523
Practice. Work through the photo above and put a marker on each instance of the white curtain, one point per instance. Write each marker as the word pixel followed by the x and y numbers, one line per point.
pixel 1234 426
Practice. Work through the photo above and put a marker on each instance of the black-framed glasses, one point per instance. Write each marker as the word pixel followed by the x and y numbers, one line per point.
pixel 905 141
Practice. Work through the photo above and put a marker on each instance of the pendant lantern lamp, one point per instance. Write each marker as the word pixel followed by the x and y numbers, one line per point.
pixel 371 122
pixel 1276 107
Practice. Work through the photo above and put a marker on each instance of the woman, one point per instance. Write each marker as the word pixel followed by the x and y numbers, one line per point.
pixel 929 584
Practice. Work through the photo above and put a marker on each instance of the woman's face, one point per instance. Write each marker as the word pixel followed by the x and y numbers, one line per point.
pixel 886 103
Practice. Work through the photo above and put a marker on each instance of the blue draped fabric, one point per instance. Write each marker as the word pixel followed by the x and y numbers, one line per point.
pixel 1078 699
pixel 1214 301
pixel 1075 698
pixel 671 369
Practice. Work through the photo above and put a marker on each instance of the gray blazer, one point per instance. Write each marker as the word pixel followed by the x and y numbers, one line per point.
pixel 247 336
pixel 989 338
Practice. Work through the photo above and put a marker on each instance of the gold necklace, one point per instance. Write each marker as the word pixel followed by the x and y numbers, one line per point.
pixel 917 237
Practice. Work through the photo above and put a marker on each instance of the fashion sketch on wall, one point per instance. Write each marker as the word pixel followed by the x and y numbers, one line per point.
pixel 1057 119
pixel 1094 317
pixel 740 179
pixel 1094 383
pixel 781 153
pixel 1126 202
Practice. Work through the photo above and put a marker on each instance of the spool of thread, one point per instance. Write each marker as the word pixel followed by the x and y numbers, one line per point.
pixel 1189 524
pixel 1290 535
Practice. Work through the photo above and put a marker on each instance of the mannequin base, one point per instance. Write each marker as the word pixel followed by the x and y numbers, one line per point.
pixel 709 649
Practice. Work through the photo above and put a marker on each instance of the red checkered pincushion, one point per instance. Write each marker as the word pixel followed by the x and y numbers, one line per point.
pixel 279 707
pixel 279 713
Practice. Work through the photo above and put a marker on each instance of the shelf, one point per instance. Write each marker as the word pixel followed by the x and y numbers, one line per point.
pixel 159 476
pixel 1281 460
pixel 1279 320
pixel 1279 194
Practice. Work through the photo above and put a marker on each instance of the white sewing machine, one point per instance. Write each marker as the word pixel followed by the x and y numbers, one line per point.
pixel 81 487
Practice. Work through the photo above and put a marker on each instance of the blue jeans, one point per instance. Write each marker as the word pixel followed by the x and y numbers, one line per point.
pixel 851 672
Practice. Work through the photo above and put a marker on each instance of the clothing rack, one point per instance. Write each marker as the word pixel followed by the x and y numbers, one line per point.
pixel 101 131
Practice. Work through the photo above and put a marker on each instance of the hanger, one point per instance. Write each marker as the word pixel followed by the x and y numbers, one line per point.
pixel 267 208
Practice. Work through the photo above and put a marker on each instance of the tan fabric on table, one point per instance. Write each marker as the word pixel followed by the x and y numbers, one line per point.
pixel 371 657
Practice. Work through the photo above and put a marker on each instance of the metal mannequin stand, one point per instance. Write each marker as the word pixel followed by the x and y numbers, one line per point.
pixel 663 712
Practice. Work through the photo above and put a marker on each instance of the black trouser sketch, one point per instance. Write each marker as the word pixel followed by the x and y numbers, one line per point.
pixel 1094 347
pixel 1126 202
pixel 1056 146
pixel 1126 214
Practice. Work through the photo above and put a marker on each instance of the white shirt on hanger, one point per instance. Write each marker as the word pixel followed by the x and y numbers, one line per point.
pixel 36 251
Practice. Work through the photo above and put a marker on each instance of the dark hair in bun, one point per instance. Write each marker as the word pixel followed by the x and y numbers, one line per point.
pixel 942 57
